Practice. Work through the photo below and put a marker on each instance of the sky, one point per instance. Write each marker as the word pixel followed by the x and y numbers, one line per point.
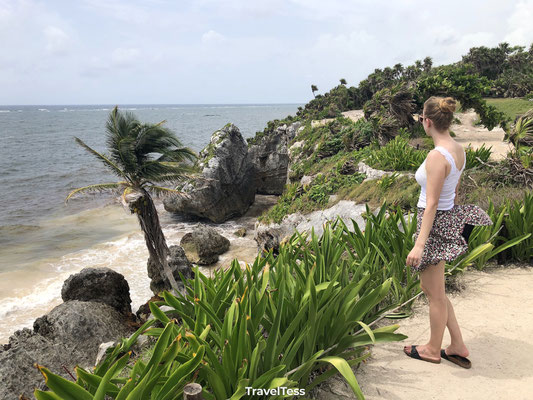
pixel 231 51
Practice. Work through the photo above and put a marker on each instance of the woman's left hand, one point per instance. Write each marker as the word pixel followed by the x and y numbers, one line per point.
pixel 415 255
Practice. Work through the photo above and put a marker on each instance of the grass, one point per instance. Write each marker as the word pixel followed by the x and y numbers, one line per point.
pixel 511 107
pixel 402 192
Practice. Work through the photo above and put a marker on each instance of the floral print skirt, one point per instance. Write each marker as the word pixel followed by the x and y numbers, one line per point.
pixel 447 239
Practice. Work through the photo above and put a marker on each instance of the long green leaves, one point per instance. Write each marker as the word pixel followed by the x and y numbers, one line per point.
pixel 281 319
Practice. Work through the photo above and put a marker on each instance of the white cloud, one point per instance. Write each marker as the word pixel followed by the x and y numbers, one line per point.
pixel 212 37
pixel 57 41
pixel 521 24
pixel 125 58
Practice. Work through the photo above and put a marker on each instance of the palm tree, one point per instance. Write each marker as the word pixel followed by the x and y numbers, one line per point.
pixel 314 89
pixel 143 156
pixel 343 81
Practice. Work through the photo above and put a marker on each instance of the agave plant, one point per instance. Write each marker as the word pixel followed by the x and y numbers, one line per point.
pixel 291 320
pixel 174 360
pixel 145 157
pixel 521 133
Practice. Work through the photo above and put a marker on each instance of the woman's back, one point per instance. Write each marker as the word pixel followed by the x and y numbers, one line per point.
pixel 456 160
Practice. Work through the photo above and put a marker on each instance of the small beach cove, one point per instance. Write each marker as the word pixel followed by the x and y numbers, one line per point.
pixel 34 287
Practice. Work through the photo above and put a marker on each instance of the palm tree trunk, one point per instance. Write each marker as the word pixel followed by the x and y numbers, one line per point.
pixel 146 212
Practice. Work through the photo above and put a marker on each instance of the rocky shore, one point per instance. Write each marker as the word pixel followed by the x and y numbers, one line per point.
pixel 239 182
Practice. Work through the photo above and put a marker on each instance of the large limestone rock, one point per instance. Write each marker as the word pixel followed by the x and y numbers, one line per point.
pixel 271 159
pixel 102 285
pixel 372 173
pixel 67 336
pixel 272 235
pixel 227 189
pixel 178 263
pixel 203 245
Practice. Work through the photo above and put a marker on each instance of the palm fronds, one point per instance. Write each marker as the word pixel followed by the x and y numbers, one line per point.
pixel 146 152
pixel 96 188
pixel 107 162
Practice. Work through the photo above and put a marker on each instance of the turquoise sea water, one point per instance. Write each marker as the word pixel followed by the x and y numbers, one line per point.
pixel 42 240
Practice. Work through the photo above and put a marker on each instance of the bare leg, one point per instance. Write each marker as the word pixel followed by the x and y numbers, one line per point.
pixel 457 345
pixel 432 283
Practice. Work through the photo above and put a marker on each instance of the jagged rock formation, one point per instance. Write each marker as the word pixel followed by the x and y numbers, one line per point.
pixel 97 309
pixel 227 186
pixel 67 336
pixel 270 157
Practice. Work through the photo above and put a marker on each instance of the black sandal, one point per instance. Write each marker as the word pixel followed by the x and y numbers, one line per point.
pixel 414 354
pixel 456 359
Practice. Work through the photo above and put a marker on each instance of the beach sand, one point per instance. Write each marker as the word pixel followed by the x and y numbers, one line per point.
pixel 495 312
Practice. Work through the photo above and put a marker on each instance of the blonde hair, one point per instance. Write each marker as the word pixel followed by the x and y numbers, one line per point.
pixel 440 111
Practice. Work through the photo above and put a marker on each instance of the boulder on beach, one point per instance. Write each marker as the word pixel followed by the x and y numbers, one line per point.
pixel 67 336
pixel 101 285
pixel 178 263
pixel 226 188
pixel 203 245
pixel 269 155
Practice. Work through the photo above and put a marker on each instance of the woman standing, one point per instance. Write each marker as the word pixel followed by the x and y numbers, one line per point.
pixel 442 231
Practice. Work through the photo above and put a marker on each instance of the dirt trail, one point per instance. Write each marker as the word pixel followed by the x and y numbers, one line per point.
pixel 467 133
pixel 495 312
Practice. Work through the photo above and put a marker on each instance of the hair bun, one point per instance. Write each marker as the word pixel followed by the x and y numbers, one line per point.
pixel 447 104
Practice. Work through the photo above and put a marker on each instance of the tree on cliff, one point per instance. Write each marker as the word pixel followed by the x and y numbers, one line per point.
pixel 143 156
pixel 313 89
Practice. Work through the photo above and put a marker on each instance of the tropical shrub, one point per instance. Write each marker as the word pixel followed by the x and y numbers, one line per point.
pixel 474 155
pixel 389 110
pixel 519 222
pixel 492 237
pixel 397 155
pixel 463 84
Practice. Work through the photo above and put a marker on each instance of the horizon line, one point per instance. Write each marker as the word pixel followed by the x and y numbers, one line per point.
pixel 147 104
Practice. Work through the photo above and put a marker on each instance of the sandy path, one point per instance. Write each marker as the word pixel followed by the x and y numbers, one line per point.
pixel 354 115
pixel 496 314
pixel 466 132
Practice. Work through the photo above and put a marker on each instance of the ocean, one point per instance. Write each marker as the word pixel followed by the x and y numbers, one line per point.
pixel 42 239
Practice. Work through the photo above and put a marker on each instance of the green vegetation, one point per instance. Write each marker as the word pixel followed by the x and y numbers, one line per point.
pixel 143 156
pixel 280 322
pixel 512 231
pixel 314 196
pixel 473 156
pixel 509 68
pixel 464 85
pixel 400 192
pixel 296 318
pixel 397 155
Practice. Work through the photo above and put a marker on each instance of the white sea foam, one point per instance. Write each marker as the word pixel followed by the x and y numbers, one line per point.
pixel 126 255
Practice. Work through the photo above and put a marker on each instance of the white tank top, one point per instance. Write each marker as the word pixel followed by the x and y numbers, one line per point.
pixel 447 195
